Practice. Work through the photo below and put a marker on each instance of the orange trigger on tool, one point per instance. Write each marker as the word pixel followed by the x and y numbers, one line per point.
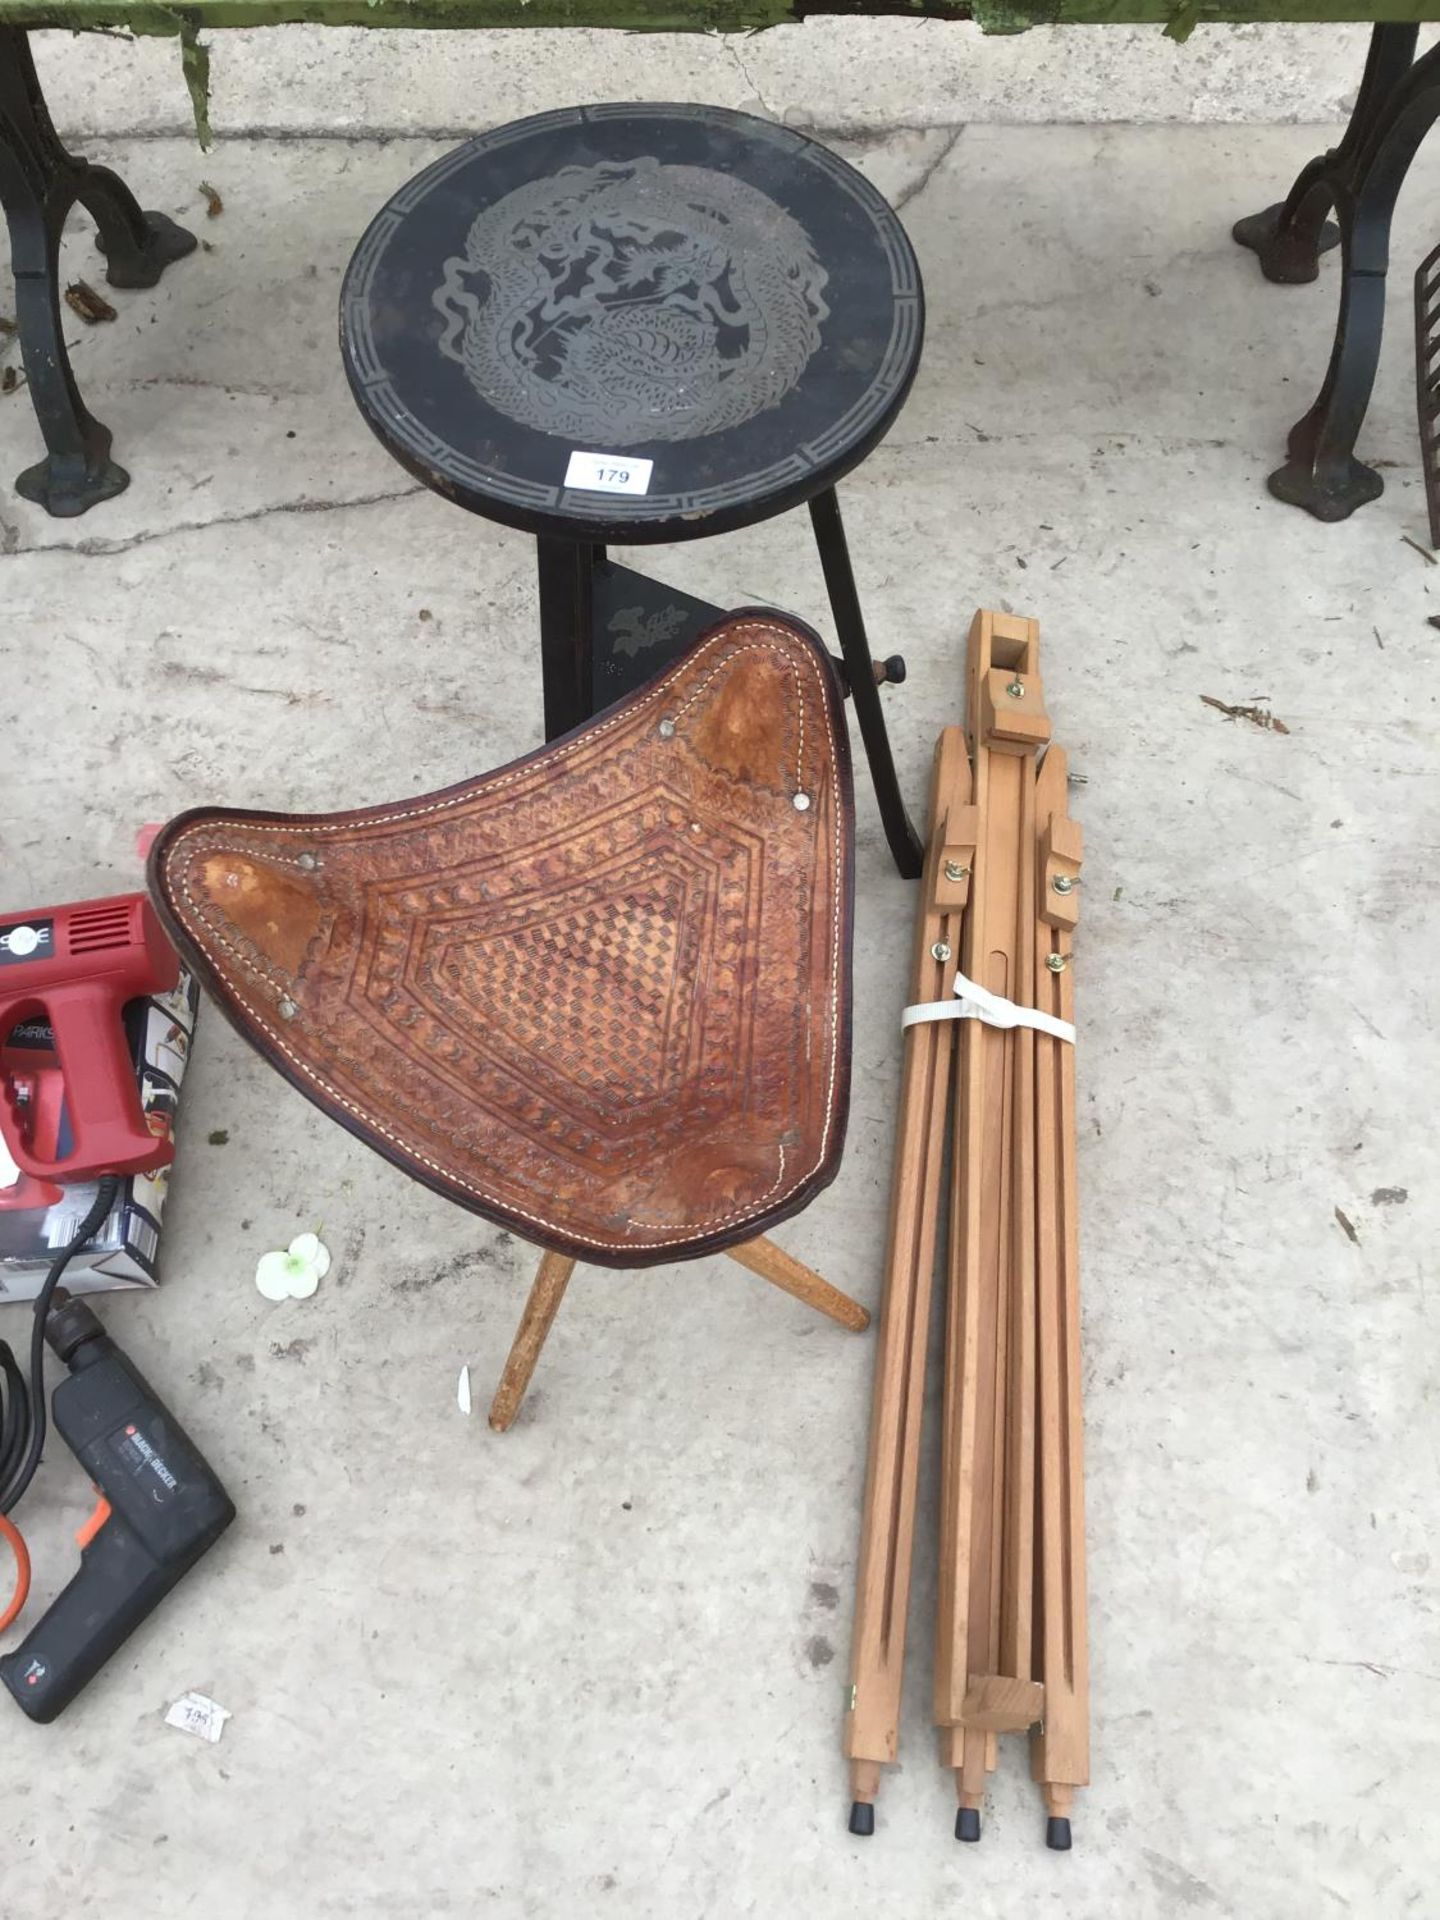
pixel 84 1535
pixel 17 1600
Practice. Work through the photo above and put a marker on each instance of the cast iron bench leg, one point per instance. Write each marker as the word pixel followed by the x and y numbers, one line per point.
pixel 39 183
pixel 1398 102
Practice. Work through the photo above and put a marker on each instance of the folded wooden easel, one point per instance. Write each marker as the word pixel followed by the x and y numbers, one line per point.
pixel 988 1048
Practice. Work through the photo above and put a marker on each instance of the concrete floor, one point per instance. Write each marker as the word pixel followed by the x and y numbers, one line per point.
pixel 596 1667
pixel 861 75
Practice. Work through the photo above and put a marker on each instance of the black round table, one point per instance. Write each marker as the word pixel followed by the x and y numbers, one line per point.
pixel 641 323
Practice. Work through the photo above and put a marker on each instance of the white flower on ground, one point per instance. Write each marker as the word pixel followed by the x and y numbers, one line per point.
pixel 296 1272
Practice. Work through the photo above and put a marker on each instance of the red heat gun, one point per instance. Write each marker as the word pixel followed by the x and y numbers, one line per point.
pixel 33 1079
pixel 76 967
pixel 160 1507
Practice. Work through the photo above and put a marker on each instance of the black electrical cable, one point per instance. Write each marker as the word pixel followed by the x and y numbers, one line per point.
pixel 22 1415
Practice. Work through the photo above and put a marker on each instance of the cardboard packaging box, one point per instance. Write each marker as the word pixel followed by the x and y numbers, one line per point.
pixel 124 1253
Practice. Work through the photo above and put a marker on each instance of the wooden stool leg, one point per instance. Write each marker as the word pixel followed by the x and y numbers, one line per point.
pixel 540 1310
pixel 782 1270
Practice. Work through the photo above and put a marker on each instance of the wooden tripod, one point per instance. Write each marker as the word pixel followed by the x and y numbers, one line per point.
pixel 547 1290
pixel 999 893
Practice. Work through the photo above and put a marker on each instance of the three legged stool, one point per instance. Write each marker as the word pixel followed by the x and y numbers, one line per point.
pixel 601 996
pixel 638 324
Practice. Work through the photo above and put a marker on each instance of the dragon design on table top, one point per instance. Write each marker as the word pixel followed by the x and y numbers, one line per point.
pixel 632 301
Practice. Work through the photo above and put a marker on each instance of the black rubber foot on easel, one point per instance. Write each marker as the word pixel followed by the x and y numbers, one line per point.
pixel 1291 259
pixel 967 1823
pixel 862 1819
pixel 1057 1833
pixel 65 488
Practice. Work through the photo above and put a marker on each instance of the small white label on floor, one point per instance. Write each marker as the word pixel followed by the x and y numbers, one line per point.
pixel 197 1713
pixel 608 473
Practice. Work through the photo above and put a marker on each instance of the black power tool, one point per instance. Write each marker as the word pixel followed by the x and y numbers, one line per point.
pixel 160 1509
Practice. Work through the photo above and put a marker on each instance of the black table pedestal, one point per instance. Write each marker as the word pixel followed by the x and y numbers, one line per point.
pixel 605 630
pixel 861 676
pixel 1399 101
pixel 635 325
pixel 39 183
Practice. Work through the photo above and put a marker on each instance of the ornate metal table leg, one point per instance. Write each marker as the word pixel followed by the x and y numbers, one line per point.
pixel 39 183
pixel 1361 178
pixel 1427 382
pixel 1322 474
pixel 1290 236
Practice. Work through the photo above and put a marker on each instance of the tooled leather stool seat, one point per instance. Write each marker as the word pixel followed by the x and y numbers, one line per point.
pixel 600 996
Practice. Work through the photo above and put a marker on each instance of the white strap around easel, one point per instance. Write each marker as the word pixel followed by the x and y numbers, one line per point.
pixel 978 1003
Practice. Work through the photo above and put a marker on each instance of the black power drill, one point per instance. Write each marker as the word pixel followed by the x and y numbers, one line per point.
pixel 160 1509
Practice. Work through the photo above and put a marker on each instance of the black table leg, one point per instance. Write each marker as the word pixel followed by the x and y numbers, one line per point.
pixel 1399 101
pixel 39 183
pixel 859 667
pixel 567 632
pixel 1290 236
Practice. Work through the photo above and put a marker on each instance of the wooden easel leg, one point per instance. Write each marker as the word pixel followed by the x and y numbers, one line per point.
pixel 540 1310
pixel 772 1263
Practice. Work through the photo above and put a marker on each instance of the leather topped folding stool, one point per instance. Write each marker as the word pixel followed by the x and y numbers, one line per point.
pixel 600 996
